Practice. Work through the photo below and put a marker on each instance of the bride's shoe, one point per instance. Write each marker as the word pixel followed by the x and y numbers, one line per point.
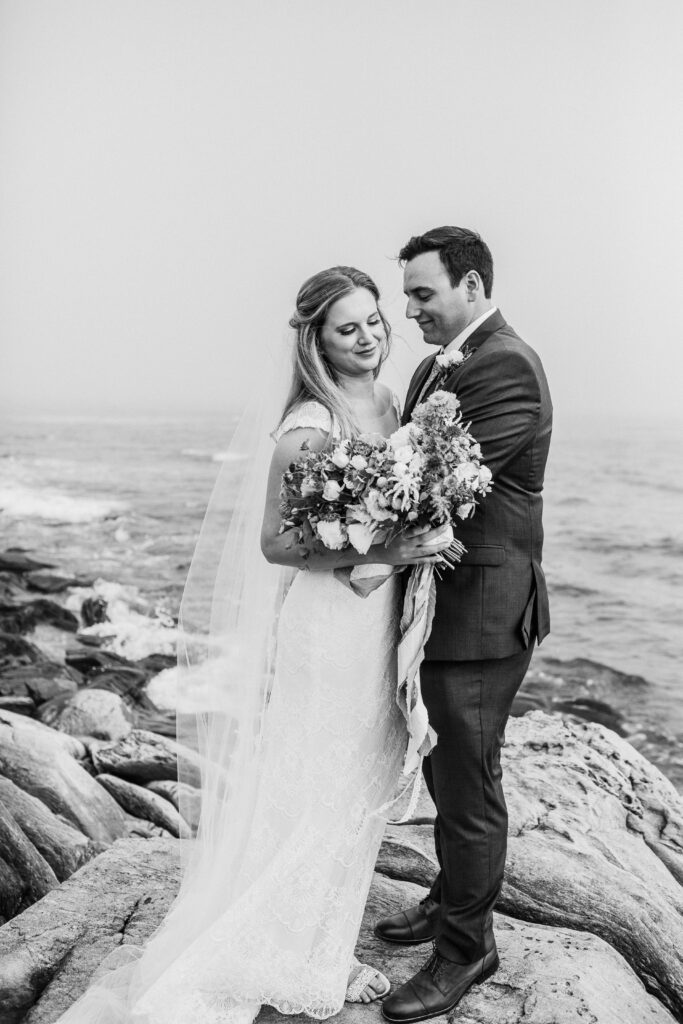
pixel 361 980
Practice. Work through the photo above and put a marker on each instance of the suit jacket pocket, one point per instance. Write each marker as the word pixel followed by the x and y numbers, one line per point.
pixel 483 554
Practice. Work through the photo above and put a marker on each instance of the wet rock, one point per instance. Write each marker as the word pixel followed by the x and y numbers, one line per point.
pixel 95 662
pixel 40 682
pixel 89 712
pixel 42 762
pixel 20 705
pixel 15 560
pixel 143 756
pixel 12 588
pixel 15 651
pixel 156 720
pixel 155 663
pixel 90 639
pixel 580 689
pixel 53 582
pixel 143 803
pixel 24 617
pixel 93 610
pixel 26 672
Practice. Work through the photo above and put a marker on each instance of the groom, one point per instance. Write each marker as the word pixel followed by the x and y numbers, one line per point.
pixel 489 611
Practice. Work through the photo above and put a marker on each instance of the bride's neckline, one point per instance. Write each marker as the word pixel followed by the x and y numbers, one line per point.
pixel 366 422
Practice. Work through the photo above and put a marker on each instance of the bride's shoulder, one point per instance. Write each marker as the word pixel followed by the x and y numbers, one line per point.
pixel 311 414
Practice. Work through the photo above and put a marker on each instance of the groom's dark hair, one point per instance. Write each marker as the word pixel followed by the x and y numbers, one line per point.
pixel 459 249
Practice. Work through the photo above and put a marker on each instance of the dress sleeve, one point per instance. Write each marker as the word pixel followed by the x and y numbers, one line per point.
pixel 396 402
pixel 308 414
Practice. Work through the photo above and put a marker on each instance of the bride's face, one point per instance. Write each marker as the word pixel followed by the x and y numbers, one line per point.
pixel 353 334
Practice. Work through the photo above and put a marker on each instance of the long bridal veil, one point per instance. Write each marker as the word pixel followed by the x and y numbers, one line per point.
pixel 226 653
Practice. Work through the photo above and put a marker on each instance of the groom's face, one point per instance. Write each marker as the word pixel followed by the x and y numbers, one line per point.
pixel 441 311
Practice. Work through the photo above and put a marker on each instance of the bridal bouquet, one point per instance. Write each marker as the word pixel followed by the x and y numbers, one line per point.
pixel 369 489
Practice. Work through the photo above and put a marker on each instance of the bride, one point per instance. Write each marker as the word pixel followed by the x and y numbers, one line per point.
pixel 290 702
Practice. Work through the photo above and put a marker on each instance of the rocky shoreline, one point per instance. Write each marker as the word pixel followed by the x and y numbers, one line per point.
pixel 590 921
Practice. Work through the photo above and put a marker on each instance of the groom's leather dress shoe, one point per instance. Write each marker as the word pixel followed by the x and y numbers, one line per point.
pixel 437 988
pixel 412 926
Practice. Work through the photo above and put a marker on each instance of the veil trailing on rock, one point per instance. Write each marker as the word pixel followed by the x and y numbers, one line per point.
pixel 229 614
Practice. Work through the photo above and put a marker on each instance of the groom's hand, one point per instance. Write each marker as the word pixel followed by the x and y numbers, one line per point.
pixel 419 545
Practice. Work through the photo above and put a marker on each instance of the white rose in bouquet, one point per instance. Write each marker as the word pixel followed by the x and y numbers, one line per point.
pixel 340 458
pixel 332 533
pixel 331 490
pixel 361 536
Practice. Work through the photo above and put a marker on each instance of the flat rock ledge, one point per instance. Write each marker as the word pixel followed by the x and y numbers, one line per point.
pixel 590 927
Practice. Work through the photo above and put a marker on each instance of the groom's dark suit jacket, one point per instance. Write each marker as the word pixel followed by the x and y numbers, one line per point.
pixel 495 602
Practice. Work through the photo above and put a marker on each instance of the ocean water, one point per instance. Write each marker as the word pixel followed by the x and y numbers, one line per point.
pixel 121 501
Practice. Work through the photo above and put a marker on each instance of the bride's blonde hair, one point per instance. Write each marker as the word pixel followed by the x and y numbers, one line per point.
pixel 313 376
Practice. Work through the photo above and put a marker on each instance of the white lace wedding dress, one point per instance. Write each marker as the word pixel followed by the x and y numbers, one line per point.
pixel 333 748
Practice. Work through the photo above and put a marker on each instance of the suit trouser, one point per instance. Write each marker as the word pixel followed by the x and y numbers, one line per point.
pixel 468 704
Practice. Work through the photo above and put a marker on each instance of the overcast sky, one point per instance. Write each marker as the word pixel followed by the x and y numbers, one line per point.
pixel 171 170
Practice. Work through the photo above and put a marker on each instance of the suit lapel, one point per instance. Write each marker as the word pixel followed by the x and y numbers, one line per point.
pixel 492 324
pixel 416 385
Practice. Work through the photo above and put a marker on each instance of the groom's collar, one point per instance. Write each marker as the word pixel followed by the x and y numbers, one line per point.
pixel 475 332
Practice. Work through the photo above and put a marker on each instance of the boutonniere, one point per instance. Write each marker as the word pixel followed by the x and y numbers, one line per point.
pixel 448 361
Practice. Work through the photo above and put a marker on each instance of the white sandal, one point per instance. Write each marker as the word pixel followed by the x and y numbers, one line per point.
pixel 365 975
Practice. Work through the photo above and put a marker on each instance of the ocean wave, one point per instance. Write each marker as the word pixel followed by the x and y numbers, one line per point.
pixel 132 629
pixel 611 545
pixel 572 590
pixel 212 456
pixel 23 502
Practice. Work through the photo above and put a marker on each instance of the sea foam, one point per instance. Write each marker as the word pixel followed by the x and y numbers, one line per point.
pixel 23 502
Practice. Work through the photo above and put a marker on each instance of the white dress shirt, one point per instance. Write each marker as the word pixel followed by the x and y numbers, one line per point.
pixel 461 338
pixel 452 346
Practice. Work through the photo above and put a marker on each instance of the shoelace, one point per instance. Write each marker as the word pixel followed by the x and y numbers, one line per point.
pixel 432 965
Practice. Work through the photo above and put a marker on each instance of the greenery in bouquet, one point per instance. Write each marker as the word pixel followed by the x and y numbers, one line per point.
pixel 368 489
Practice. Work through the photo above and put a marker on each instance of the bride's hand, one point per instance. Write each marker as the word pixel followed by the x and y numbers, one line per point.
pixel 419 545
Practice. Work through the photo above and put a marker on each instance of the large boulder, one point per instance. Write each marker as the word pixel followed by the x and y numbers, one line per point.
pixel 547 974
pixel 142 756
pixel 179 793
pixel 30 876
pixel 89 712
pixel 62 846
pixel 53 582
pixel 15 560
pixel 24 616
pixel 590 928
pixel 48 955
pixel 595 843
pixel 26 672
pixel 43 762
pixel 143 803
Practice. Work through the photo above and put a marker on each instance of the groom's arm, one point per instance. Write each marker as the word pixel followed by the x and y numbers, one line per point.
pixel 501 397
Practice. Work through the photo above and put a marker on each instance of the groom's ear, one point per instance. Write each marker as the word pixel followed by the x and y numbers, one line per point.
pixel 473 285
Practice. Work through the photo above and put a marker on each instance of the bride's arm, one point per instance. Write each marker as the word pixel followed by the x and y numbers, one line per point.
pixel 283 549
